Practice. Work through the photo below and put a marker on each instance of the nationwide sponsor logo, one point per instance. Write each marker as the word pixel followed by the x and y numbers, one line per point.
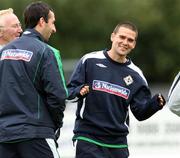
pixel 16 54
pixel 111 88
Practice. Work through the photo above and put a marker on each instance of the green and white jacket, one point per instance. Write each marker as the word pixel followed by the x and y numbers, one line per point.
pixel 174 96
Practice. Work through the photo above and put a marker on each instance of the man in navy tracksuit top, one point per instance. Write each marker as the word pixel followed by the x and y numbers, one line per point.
pixel 105 84
pixel 33 92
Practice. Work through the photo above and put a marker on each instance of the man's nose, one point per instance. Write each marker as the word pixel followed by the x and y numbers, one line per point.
pixel 20 29
pixel 54 29
pixel 125 41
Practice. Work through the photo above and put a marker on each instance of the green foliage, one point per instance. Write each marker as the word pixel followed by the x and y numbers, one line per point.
pixel 86 25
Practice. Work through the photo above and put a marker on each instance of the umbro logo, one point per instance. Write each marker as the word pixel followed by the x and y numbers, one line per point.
pixel 101 65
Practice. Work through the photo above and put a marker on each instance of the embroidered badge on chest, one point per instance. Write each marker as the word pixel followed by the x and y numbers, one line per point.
pixel 128 80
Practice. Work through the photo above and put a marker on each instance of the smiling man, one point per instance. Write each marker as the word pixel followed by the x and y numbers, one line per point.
pixel 105 84
pixel 33 92
pixel 10 27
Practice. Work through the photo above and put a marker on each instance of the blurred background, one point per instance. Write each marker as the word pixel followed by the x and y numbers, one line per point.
pixel 85 25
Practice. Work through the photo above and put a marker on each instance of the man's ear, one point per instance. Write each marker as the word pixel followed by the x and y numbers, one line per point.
pixel 112 36
pixel 41 21
pixel 134 44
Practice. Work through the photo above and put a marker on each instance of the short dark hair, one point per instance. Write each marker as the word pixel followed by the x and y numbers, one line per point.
pixel 128 25
pixel 34 11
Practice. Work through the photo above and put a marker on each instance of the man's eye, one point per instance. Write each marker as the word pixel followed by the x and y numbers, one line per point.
pixel 16 25
pixel 131 40
pixel 122 37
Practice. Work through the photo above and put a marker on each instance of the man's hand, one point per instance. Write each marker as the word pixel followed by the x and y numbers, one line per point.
pixel 84 90
pixel 161 100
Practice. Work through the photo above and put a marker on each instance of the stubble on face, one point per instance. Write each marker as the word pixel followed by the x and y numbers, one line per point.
pixel 122 43
pixel 49 26
pixel 124 40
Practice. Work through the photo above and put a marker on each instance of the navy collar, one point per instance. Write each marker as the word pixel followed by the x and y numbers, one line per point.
pixel 115 62
pixel 33 33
